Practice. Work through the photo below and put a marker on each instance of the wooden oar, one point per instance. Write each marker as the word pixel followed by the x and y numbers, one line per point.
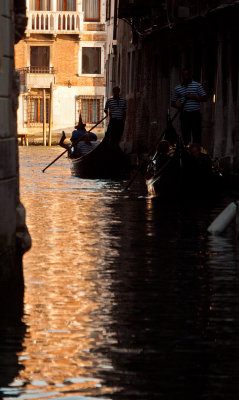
pixel 57 158
pixel 149 154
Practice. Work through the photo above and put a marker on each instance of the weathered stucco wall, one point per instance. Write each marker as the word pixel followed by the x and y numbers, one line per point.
pixel 12 217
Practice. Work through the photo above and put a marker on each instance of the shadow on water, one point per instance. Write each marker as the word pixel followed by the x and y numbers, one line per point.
pixel 175 319
pixel 12 333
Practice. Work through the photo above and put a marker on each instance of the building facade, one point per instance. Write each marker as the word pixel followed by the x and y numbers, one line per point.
pixel 150 42
pixel 61 62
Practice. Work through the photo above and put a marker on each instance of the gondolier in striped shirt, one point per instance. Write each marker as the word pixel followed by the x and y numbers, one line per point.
pixel 187 98
pixel 116 108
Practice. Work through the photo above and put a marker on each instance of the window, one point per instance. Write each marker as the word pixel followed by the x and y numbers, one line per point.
pixel 40 5
pixel 35 109
pixel 90 108
pixel 66 5
pixel 91 60
pixel 108 9
pixel 91 10
pixel 39 56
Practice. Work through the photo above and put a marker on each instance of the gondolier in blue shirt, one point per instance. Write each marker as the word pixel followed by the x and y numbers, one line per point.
pixel 80 140
pixel 116 108
pixel 187 98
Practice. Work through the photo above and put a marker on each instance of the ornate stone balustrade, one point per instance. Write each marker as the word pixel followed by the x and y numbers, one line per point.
pixel 54 22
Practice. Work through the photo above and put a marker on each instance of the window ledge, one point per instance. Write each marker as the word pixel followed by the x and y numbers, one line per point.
pixel 92 22
pixel 92 75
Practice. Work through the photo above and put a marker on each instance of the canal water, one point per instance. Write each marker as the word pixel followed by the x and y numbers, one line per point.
pixel 125 297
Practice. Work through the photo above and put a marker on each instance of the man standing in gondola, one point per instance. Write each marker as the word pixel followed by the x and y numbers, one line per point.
pixel 187 97
pixel 116 108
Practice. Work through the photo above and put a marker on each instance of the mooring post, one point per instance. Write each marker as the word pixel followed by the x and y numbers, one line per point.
pixel 50 113
pixel 44 117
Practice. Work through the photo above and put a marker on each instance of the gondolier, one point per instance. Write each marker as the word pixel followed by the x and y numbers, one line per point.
pixel 81 131
pixel 116 108
pixel 187 98
pixel 80 140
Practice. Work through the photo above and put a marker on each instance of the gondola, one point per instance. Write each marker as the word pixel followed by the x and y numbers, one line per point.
pixel 105 161
pixel 178 178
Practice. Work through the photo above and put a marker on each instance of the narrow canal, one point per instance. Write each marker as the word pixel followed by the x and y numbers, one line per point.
pixel 125 298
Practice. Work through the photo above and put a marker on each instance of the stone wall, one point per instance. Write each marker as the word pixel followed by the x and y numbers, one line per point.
pixel 11 249
pixel 8 148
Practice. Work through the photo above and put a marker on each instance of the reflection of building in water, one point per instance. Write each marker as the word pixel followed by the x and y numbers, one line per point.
pixel 61 65
pixel 65 292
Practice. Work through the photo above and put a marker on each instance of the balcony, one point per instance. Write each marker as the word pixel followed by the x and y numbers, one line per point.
pixel 54 22
pixel 36 77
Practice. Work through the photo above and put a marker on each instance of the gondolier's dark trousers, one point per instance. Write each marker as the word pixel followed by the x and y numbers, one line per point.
pixel 191 126
pixel 115 130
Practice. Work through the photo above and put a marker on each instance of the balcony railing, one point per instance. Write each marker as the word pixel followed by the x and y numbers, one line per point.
pixel 56 22
pixel 38 70
pixel 36 77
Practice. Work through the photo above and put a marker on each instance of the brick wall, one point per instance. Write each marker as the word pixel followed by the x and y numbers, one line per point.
pixel 64 58
pixel 93 37
pixel 94 27
pixel 21 54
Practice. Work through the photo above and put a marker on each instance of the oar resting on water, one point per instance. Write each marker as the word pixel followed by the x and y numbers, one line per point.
pixel 57 158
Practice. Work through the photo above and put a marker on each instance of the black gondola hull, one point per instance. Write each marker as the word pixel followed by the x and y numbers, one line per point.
pixel 103 162
pixel 178 180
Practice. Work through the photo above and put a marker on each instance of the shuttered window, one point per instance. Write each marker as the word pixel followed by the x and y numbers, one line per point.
pixel 108 9
pixel 39 56
pixel 91 10
pixel 66 5
pixel 91 60
pixel 40 5
pixel 90 108
pixel 34 110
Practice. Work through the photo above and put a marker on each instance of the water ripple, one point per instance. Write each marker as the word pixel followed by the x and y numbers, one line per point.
pixel 125 297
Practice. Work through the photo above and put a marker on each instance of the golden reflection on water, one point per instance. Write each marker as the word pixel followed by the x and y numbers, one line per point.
pixel 125 298
pixel 69 225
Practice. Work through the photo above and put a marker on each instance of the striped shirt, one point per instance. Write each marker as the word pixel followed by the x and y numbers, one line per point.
pixel 193 88
pixel 117 107
pixel 84 147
